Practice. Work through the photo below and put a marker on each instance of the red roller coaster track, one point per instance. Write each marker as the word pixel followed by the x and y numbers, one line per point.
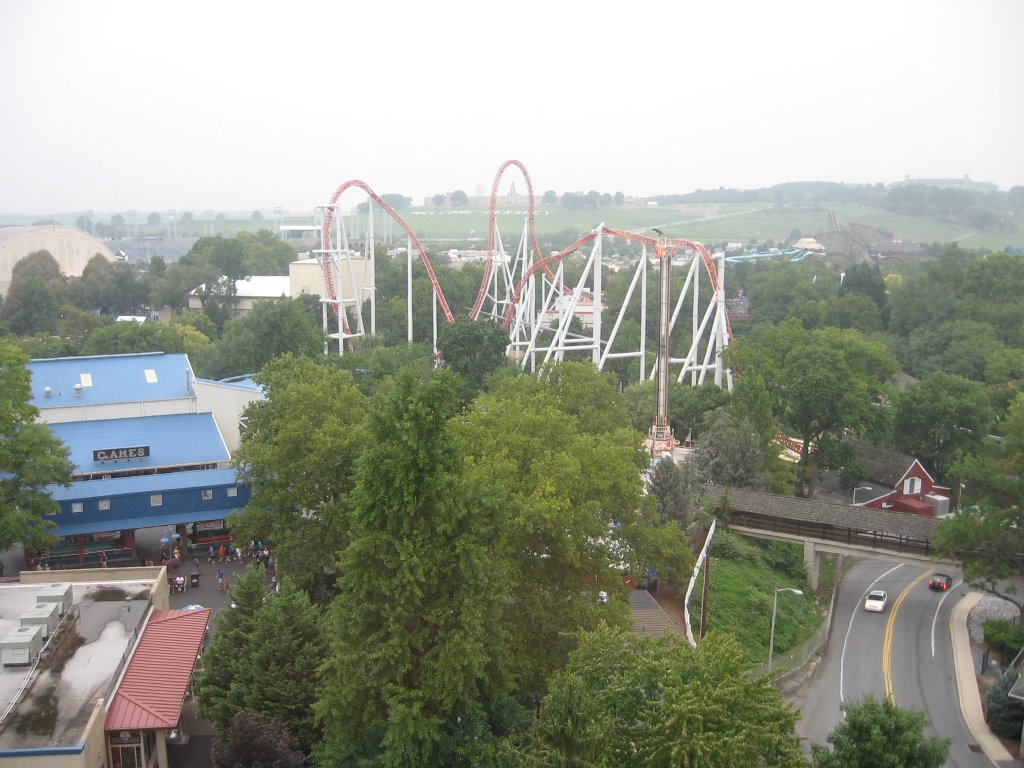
pixel 540 264
pixel 326 237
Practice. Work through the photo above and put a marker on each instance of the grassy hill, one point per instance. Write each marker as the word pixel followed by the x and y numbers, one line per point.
pixel 749 223
pixel 709 223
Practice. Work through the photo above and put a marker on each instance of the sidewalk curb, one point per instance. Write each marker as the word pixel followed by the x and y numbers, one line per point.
pixel 967 684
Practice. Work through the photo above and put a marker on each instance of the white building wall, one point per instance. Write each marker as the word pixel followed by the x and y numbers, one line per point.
pixel 126 410
pixel 226 403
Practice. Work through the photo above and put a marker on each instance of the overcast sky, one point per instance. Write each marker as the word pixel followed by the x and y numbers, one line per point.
pixel 153 106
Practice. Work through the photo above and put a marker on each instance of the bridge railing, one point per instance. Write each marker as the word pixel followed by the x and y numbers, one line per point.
pixel 848 535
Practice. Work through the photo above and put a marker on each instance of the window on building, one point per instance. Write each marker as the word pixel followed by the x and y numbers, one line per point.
pixel 77 506
pixel 207 494
pixel 156 500
pixel 232 491
pixel 104 505
pixel 912 485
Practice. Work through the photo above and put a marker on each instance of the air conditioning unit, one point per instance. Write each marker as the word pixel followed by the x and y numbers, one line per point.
pixel 46 615
pixel 56 593
pixel 21 645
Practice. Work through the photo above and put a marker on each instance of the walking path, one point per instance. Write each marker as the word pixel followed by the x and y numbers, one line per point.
pixel 967 684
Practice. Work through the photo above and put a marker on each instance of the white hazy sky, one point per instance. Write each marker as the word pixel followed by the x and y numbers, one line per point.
pixel 111 105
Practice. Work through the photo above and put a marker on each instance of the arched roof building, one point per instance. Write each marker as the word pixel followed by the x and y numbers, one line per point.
pixel 71 247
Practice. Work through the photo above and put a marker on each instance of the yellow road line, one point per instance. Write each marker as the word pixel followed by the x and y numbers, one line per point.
pixel 890 627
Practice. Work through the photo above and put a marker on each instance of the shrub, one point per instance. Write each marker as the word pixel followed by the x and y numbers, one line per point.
pixel 1005 715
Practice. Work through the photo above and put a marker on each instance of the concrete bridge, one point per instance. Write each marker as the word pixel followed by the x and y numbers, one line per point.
pixel 828 527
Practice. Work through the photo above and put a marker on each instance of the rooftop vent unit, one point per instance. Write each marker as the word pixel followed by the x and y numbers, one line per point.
pixel 47 391
pixel 78 389
pixel 46 615
pixel 56 593
pixel 21 645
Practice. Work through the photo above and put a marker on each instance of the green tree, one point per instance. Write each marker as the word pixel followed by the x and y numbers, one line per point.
pixel 416 674
pixel 251 741
pixel 866 279
pixel 1005 714
pixel 232 643
pixel 459 198
pixel 299 452
pixel 639 701
pixel 988 545
pixel 36 292
pixel 473 349
pixel 31 458
pixel 728 452
pixel 878 734
pixel 668 484
pixel 153 219
pixel 268 664
pixel 130 337
pixel 940 419
pixel 273 328
pixel 557 460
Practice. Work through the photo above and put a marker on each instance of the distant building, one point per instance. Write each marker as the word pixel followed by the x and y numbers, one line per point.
pixel 964 183
pixel 305 276
pixel 70 246
pixel 901 483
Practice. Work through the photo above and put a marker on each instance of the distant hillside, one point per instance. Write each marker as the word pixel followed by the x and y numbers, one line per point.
pixel 974 216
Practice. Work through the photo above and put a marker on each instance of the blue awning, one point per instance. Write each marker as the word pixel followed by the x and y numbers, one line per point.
pixel 144 521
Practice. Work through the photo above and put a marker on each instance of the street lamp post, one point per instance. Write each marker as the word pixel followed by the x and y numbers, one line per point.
pixel 959 499
pixel 861 488
pixel 775 608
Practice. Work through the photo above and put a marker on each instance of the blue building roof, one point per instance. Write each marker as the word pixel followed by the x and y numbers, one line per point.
pixel 171 440
pixel 110 379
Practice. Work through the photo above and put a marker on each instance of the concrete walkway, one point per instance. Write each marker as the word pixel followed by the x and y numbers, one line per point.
pixel 967 684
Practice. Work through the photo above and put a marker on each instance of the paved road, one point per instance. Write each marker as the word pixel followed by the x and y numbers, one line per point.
pixel 915 629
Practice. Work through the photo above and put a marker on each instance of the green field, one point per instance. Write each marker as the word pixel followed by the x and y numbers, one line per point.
pixel 743 223
pixel 748 223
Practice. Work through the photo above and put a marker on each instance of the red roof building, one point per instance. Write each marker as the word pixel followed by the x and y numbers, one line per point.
pixel 150 695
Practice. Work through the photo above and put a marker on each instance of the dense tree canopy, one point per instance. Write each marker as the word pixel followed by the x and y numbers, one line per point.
pixel 472 349
pixel 264 659
pixel 273 328
pixel 557 459
pixel 878 734
pixel 417 674
pixel 31 458
pixel 299 452
pixel 637 701
pixel 940 419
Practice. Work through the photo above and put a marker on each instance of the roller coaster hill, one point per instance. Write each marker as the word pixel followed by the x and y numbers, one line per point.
pixel 533 296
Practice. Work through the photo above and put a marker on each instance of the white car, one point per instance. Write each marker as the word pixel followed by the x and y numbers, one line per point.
pixel 876 601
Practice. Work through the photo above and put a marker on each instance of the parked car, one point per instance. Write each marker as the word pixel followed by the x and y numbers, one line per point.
pixel 876 601
pixel 940 582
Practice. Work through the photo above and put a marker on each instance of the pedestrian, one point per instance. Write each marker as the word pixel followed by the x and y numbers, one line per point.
pixel 222 553
pixel 103 559
pixel 213 553
pixel 221 581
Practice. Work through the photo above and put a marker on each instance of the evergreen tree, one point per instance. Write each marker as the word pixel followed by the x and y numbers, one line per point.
pixel 415 676
pixel 217 699
pixel 264 659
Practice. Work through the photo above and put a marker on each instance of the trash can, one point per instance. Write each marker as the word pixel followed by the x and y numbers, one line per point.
pixel 194 580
